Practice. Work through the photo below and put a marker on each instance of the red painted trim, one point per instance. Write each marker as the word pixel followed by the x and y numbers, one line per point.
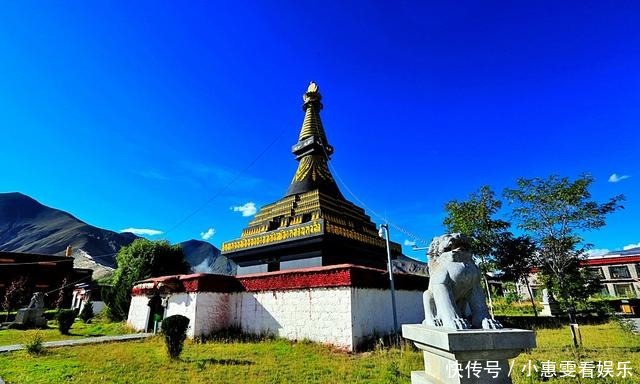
pixel 612 260
pixel 344 275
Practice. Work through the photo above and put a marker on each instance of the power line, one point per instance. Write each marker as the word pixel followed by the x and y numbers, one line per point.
pixel 407 233
pixel 193 213
pixel 67 285
pixel 226 186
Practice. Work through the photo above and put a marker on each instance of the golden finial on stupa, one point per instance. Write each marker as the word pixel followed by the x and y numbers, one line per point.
pixel 312 94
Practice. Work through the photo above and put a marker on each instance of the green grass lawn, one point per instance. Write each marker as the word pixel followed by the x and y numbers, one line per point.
pixel 79 329
pixel 281 361
pixel 605 342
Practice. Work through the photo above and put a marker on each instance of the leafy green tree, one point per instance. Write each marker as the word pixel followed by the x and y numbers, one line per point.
pixel 515 258
pixel 556 211
pixel 16 294
pixel 63 293
pixel 137 261
pixel 475 218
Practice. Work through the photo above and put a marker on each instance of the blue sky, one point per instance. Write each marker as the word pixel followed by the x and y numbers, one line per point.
pixel 165 115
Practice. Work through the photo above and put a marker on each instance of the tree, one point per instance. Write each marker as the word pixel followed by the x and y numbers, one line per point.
pixel 62 293
pixel 137 261
pixel 474 218
pixel 16 294
pixel 514 257
pixel 556 212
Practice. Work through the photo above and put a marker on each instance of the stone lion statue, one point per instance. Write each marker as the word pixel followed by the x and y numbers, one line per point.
pixel 37 301
pixel 454 298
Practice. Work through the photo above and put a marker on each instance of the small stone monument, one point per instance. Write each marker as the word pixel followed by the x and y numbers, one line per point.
pixel 550 306
pixel 460 341
pixel 33 314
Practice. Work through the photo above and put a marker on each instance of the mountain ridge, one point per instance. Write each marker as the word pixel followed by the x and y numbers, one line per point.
pixel 29 226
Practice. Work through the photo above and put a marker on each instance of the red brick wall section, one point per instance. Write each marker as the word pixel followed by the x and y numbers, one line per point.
pixel 344 275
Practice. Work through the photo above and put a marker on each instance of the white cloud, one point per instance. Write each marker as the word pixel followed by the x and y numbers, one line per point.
pixel 597 252
pixel 142 231
pixel 615 178
pixel 630 246
pixel 409 243
pixel 249 209
pixel 208 234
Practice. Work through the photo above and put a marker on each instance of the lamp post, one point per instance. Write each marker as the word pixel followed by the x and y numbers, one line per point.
pixel 384 230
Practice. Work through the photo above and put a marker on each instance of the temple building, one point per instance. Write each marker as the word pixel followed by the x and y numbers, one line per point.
pixel 313 224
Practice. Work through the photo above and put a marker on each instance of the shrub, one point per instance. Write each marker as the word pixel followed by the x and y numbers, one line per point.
pixel 66 317
pixel 174 329
pixel 87 312
pixel 34 344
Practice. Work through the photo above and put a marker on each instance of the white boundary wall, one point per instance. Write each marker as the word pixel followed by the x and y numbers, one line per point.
pixel 342 316
pixel 318 314
pixel 138 313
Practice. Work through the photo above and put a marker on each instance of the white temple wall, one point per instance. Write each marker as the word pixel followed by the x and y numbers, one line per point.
pixel 317 314
pixel 138 313
pixel 342 305
pixel 372 311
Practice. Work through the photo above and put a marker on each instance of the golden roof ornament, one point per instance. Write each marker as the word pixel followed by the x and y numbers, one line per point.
pixel 312 94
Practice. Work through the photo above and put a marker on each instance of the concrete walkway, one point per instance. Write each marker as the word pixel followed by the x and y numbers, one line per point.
pixel 88 340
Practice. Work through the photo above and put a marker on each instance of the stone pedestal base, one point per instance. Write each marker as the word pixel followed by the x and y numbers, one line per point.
pixel 550 309
pixel 475 356
pixel 30 317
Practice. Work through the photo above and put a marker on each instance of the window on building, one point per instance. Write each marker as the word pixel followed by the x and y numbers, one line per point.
pixel 604 291
pixel 623 290
pixel 638 270
pixel 597 271
pixel 619 272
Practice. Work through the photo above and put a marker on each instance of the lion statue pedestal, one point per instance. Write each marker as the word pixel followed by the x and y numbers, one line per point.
pixel 460 341
pixel 33 314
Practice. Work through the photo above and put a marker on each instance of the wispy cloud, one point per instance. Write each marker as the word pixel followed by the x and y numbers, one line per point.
pixel 597 252
pixel 206 235
pixel 248 209
pixel 614 178
pixel 142 231
pixel 216 174
pixel 409 243
pixel 153 174
pixel 631 246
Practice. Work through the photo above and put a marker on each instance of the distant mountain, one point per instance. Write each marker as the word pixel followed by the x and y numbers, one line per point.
pixel 204 257
pixel 30 227
pixel 404 264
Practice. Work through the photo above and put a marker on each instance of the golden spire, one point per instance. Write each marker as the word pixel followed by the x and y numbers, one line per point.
pixel 312 149
pixel 312 125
